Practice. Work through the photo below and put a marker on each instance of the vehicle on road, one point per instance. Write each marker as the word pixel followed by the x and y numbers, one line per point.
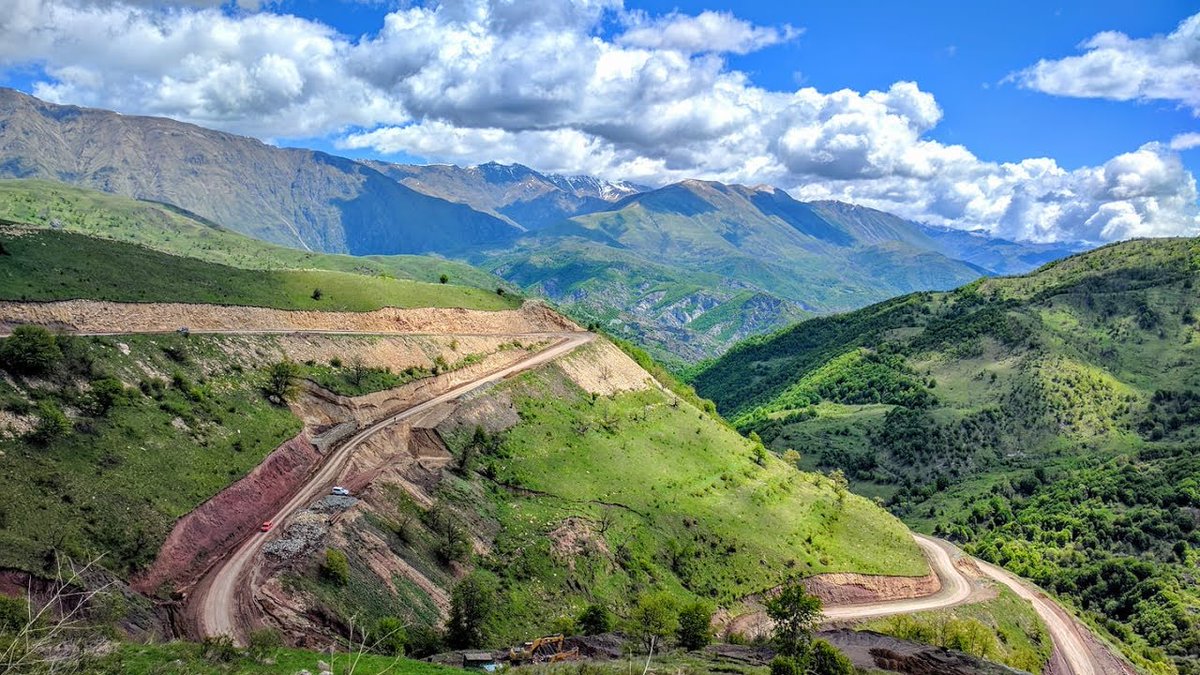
pixel 265 527
pixel 340 491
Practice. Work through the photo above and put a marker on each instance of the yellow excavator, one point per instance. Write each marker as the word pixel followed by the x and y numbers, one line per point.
pixel 547 649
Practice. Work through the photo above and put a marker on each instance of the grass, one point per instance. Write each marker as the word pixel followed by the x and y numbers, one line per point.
pixel 1012 633
pixel 117 481
pixel 190 659
pixel 673 500
pixel 45 265
pixel 168 229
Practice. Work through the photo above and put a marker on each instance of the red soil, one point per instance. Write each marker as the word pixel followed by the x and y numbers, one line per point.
pixel 209 531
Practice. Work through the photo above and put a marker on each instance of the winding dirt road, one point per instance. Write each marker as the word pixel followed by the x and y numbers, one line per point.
pixel 218 596
pixel 1075 651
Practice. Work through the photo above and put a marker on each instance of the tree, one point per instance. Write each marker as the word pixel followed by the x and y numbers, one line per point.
pixel 695 626
pixel 472 603
pixel 444 279
pixel 654 618
pixel 390 636
pixel 825 659
pixel 281 381
pixel 336 567
pixel 317 294
pixel 30 350
pixel 595 619
pixel 796 615
pixel 358 370
pixel 500 291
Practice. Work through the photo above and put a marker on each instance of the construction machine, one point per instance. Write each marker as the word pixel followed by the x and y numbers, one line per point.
pixel 547 649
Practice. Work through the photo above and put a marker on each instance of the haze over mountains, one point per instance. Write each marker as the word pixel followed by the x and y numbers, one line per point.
pixel 687 269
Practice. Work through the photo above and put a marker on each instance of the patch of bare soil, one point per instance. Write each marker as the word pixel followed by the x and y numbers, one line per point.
pixel 88 316
pixel 575 538
pixel 209 531
pixel 839 588
pixel 602 368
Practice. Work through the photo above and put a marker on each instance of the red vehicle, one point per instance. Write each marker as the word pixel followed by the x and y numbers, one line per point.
pixel 266 526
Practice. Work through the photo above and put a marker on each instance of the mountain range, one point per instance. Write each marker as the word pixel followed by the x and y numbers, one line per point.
pixel 686 269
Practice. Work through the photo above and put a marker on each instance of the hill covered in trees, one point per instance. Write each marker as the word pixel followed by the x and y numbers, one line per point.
pixel 1049 421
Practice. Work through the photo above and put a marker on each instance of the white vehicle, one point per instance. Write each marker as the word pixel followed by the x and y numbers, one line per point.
pixel 340 491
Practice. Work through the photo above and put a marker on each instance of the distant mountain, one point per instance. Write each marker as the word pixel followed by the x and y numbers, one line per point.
pixel 295 197
pixel 686 269
pixel 516 193
pixel 692 267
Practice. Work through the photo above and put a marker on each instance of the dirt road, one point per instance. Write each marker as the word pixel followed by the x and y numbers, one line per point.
pixel 216 602
pixel 955 590
pixel 1079 652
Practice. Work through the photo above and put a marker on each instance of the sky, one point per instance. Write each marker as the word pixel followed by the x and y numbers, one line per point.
pixel 1040 121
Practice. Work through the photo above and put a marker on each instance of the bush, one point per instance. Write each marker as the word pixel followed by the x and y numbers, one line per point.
pixel 424 641
pixel 106 394
pixel 14 614
pixel 654 618
pixel 281 382
pixel 30 350
pixel 52 423
pixel 263 642
pixel 786 665
pixel 595 619
pixel 336 567
pixel 471 605
pixel 825 659
pixel 443 279
pixel 390 636
pixel 695 626
pixel 219 649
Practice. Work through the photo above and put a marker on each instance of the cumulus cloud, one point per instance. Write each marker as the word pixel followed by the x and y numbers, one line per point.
pixel 1117 67
pixel 706 32
pixel 1185 141
pixel 536 82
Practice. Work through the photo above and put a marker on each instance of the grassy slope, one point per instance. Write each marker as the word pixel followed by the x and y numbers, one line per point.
pixel 165 228
pixel 117 481
pixel 55 265
pixel 1012 633
pixel 183 657
pixel 671 498
pixel 1041 384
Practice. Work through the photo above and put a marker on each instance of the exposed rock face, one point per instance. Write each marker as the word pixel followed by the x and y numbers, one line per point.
pixel 841 588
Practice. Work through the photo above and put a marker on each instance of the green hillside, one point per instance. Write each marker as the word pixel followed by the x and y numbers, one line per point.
pixel 55 265
pixel 691 268
pixel 1048 420
pixel 604 499
pixel 167 228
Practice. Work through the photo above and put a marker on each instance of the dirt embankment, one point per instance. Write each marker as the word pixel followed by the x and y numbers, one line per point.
pixel 206 533
pixel 88 316
pixel 843 588
pixel 834 589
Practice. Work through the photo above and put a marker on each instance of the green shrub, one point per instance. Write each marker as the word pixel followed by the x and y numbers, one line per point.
pixel 263 642
pixel 30 350
pixel 654 618
pixel 695 626
pixel 825 659
pixel 14 614
pixel 52 423
pixel 336 567
pixel 786 665
pixel 390 636
pixel 595 619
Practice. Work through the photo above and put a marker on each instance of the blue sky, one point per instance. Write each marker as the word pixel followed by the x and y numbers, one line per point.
pixel 1040 121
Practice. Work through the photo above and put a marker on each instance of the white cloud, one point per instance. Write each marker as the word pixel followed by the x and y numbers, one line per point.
pixel 1186 141
pixel 1118 67
pixel 708 31
pixel 534 81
